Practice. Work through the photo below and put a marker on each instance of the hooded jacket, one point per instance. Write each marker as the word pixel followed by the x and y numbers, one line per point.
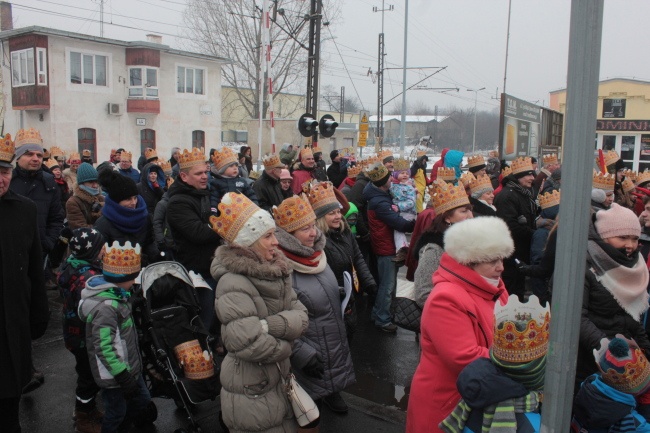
pixel 439 163
pixel 454 159
pixel 111 336
pixel 147 191
pixel 220 186
pixel 288 157
pixel 268 191
pixel 248 290
pixel 301 175
pixel 79 209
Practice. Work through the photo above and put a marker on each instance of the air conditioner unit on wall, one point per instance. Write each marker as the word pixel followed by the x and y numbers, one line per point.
pixel 115 109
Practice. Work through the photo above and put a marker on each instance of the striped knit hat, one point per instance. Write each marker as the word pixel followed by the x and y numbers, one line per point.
pixel 623 365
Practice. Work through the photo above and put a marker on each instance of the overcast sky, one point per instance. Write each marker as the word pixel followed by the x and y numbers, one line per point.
pixel 466 36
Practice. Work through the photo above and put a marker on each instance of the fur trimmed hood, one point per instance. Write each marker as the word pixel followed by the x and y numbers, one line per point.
pixel 479 240
pixel 245 261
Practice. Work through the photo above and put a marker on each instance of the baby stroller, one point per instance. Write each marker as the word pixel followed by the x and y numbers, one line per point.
pixel 176 348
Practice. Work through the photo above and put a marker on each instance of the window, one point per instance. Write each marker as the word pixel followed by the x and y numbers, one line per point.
pixel 198 139
pixel 147 139
pixel 143 83
pixel 88 69
pixel 190 80
pixel 22 68
pixel 87 140
pixel 41 66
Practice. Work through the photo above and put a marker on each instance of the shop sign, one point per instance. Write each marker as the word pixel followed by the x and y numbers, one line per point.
pixel 613 108
pixel 623 125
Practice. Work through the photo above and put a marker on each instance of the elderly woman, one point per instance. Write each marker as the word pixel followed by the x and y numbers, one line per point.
pixel 260 317
pixel 322 361
pixel 458 318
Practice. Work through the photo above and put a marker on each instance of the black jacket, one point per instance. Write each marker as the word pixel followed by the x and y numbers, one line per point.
pixel 188 214
pixel 151 196
pixel 481 209
pixel 336 174
pixel 342 253
pixel 220 186
pixel 41 188
pixel 518 212
pixel 268 191
pixel 144 237
pixel 161 232
pixel 355 195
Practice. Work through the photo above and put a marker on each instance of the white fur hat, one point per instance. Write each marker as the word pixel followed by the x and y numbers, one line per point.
pixel 479 240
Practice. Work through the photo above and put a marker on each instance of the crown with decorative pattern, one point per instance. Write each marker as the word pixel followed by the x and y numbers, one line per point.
pixel 190 158
pixel 481 183
pixel 322 198
pixel 627 185
pixel 384 155
pixel 354 171
pixel 121 263
pixel 549 199
pixel 306 152
pixel 293 214
pixel 466 178
pixel 272 161
pixel 370 161
pixel 506 171
pixel 474 161
pixel 51 163
pixel 74 158
pixel 166 167
pixel 315 149
pixel 28 136
pixel 448 174
pixel 622 365
pixel 223 157
pixel 56 152
pixel 401 164
pixel 643 177
pixel 550 159
pixel 630 174
pixel 610 157
pixel 150 153
pixel 445 196
pixel 240 221
pixel 376 172
pixel 604 181
pixel 521 165
pixel 126 156
pixel 7 149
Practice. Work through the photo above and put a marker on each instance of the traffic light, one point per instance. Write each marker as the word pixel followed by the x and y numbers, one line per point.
pixel 327 125
pixel 307 125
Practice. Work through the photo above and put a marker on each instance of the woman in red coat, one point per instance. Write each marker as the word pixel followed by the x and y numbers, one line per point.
pixel 458 317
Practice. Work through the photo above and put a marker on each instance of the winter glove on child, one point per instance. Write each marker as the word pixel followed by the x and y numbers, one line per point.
pixel 315 367
pixel 128 384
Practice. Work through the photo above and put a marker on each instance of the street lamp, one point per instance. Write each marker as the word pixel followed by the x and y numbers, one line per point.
pixel 475 101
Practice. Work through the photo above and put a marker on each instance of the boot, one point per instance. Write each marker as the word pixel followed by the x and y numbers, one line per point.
pixel 88 422
pixel 336 403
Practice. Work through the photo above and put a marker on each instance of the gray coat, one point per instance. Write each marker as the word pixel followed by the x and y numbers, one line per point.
pixel 428 263
pixel 326 335
pixel 248 290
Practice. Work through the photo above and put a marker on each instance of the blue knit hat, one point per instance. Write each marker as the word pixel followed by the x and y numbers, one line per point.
pixel 86 173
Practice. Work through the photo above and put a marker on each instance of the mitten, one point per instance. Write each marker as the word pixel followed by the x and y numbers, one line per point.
pixel 128 384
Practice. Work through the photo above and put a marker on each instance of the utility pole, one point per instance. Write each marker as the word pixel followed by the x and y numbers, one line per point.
pixel 380 76
pixel 342 107
pixel 313 61
pixel 402 126
pixel 505 69
pixel 475 101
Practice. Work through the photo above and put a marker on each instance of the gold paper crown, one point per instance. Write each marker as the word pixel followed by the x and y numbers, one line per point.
pixel 628 372
pixel 234 211
pixel 610 158
pixel 190 158
pixel 447 174
pixel 354 171
pixel 150 153
pixel 28 136
pixel 401 164
pixel 370 161
pixel 74 157
pixel 445 196
pixel 306 151
pixel 630 174
pixel 56 152
pixel 46 154
pixel 293 213
pixel 483 182
pixel 223 158
pixel 475 161
pixel 467 178
pixel 550 159
pixel 384 154
pixel 86 152
pixel 521 330
pixel 166 167
pixel 604 181
pixel 377 172
pixel 51 163
pixel 7 149
pixel 321 195
pixel 316 149
pixel 643 177
pixel 627 185
pixel 126 156
pixel 121 260
pixel 521 165
pixel 506 171
pixel 549 199
pixel 272 161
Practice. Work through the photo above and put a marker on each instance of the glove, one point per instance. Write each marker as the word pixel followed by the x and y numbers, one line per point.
pixel 315 367
pixel 128 384
pixel 522 267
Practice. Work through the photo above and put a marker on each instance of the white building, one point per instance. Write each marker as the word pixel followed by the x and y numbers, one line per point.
pixel 85 92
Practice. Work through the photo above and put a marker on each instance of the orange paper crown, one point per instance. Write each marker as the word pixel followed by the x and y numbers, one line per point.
pixel 56 152
pixel 420 153
pixel 354 171
pixel 610 157
pixel 447 174
pixel 51 163
pixel 7 149
pixel 466 178
pixel 475 161
pixel 627 185
pixel 482 183
pixel 604 181
pixel 190 158
pixel 166 167
pixel 150 153
pixel 223 157
pixel 121 260
pixel 382 155
pixel 550 159
pixel 630 174
pixel 401 164
pixel 126 156
pixel 322 198
pixel 235 210
pixel 272 161
pixel 643 177
pixel 506 171
pixel 293 213
pixel 377 172
pixel 74 158
pixel 86 152
pixel 521 330
pixel 370 161
pixel 445 196
pixel 28 136
pixel 305 152
pixel 521 165
pixel 549 199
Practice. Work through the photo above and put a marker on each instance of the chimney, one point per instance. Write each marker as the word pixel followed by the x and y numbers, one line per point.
pixel 6 19
pixel 154 39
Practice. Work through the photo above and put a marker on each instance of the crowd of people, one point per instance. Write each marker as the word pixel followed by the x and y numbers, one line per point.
pixel 290 257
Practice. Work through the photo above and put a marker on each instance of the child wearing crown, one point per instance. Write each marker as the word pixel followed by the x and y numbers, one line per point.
pixel 225 178
pixel 112 341
pixel 404 196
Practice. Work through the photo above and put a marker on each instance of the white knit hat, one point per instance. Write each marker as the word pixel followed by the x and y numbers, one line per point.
pixel 479 240
pixel 241 221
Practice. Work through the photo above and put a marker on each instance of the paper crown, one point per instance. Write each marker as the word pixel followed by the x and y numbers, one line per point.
pixel 240 221
pixel 74 158
pixel 630 174
pixel 610 158
pixel 322 198
pixel 223 157
pixel 28 136
pixel 306 152
pixel 401 164
pixel 643 177
pixel 550 159
pixel 56 152
pixel 481 183
pixel 126 156
pixel 46 154
pixel 272 161
pixel 166 167
pixel 377 172
pixel 293 213
pixel 354 171
pixel 51 163
pixel 7 149
pixel 466 178
pixel 521 165
pixel 447 174
pixel 316 149
pixel 121 260
pixel 190 158
pixel 622 365
pixel 604 181
pixel 506 171
pixel 493 154
pixel 521 330
pixel 86 152
pixel 549 199
pixel 445 196
pixel 150 153
pixel 370 161
pixel 420 153
pixel 475 161
pixel 627 185
pixel 384 154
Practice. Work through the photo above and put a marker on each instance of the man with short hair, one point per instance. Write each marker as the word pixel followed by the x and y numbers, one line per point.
pixel 337 171
pixel 305 169
pixel 267 188
pixel 125 167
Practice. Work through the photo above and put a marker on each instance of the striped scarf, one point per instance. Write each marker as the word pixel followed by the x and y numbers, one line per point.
pixel 530 375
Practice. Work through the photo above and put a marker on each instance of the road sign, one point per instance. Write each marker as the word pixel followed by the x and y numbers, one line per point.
pixel 364 125
pixel 363 135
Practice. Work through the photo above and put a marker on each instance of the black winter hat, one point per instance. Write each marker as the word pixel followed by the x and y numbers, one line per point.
pixel 86 243
pixel 118 186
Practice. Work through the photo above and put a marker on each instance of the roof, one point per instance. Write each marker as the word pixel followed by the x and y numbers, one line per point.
pixel 127 44
pixel 410 118
pixel 609 80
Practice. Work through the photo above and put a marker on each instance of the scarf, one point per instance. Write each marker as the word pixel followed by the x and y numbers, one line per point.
pixel 303 259
pixel 511 183
pixel 626 278
pixel 89 190
pixel 530 375
pixel 488 205
pixel 124 219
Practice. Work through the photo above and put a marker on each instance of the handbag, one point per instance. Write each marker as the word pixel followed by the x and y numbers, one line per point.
pixel 304 407
pixel 406 314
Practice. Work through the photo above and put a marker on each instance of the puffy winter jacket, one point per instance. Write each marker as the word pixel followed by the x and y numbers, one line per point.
pixel 150 194
pixel 220 186
pixel 79 209
pixel 300 176
pixel 342 253
pixel 383 220
pixel 268 191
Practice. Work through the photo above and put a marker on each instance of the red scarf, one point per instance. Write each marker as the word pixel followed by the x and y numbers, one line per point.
pixel 311 261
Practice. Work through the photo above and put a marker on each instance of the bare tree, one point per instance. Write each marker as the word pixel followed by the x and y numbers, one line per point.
pixel 331 100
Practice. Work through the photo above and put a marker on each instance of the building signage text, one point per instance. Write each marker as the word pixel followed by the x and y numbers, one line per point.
pixel 623 125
